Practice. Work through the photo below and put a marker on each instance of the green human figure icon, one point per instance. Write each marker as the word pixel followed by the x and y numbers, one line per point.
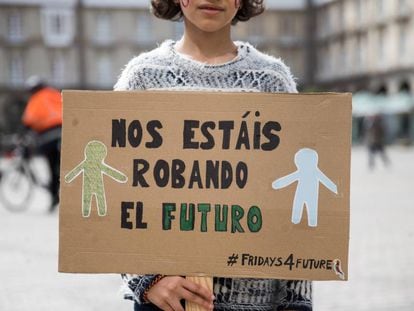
pixel 93 168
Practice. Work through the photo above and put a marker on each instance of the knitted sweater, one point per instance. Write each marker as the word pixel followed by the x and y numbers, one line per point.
pixel 251 71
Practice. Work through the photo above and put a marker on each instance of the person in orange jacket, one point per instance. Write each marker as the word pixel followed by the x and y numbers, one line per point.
pixel 43 115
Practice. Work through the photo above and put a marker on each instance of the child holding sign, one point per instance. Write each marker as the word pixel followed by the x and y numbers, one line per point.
pixel 206 58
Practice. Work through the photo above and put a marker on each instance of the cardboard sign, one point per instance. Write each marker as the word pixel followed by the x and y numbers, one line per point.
pixel 219 184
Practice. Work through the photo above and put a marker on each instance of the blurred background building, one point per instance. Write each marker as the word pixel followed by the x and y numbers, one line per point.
pixel 84 44
pixel 330 45
pixel 365 45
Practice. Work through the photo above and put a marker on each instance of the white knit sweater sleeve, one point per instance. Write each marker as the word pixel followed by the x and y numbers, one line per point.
pixel 284 78
pixel 287 77
pixel 131 76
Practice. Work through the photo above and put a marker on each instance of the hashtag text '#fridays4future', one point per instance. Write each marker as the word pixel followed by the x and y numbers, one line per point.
pixel 291 261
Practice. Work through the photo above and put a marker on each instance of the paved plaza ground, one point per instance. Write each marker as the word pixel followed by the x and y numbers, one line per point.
pixel 381 251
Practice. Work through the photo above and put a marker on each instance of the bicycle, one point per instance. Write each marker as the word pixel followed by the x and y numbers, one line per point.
pixel 17 176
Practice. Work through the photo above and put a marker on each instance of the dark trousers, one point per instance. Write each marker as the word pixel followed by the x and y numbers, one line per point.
pixel 51 150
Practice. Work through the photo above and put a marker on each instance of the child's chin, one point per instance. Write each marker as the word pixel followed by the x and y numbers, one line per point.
pixel 210 26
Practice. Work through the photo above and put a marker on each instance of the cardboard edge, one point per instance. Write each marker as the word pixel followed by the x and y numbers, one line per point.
pixel 74 91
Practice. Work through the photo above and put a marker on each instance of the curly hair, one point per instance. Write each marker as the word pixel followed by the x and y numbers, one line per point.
pixel 171 10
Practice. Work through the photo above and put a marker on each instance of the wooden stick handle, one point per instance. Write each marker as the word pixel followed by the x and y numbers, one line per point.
pixel 207 282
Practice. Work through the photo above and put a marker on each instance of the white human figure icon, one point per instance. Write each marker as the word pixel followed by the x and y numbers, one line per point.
pixel 308 175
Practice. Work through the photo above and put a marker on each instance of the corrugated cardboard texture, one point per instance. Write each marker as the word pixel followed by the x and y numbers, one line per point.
pixel 135 230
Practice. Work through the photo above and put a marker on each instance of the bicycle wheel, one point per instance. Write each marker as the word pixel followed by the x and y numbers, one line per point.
pixel 16 187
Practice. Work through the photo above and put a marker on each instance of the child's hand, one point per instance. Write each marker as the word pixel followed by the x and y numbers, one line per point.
pixel 168 292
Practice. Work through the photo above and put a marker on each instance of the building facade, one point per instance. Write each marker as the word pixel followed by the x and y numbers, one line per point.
pixel 85 43
pixel 365 45
pixel 330 45
pixel 354 45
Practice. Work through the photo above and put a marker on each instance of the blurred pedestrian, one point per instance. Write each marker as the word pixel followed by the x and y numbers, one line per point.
pixel 43 115
pixel 206 58
pixel 375 132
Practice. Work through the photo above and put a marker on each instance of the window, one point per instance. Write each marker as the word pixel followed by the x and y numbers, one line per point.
pixel 361 47
pixel 402 41
pixel 104 71
pixel 381 46
pixel 327 27
pixel 329 56
pixel 256 28
pixel 337 60
pixel 380 8
pixel 16 70
pixel 58 26
pixel 58 69
pixel 103 27
pixel 403 7
pixel 363 51
pixel 287 26
pixel 14 26
pixel 358 53
pixel 321 61
pixel 145 28
pixel 359 10
pixel 324 62
pixel 343 61
pixel 255 31
pixel 341 16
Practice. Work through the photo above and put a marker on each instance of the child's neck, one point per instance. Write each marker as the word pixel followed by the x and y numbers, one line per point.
pixel 207 47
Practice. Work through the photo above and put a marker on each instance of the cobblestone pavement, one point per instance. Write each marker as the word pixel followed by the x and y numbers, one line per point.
pixel 381 251
pixel 381 269
pixel 28 267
